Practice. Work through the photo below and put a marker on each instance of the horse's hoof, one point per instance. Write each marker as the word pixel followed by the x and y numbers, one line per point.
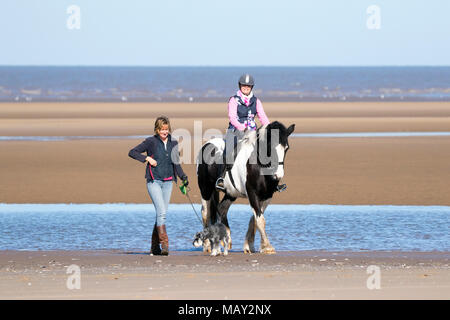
pixel 249 249
pixel 268 250
pixel 206 249
pixel 229 244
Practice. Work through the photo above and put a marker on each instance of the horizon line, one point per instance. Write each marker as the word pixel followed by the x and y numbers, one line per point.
pixel 222 66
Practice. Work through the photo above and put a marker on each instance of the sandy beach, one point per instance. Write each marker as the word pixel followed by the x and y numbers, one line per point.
pixel 191 275
pixel 390 170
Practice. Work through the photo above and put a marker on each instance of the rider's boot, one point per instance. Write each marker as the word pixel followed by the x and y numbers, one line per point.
pixel 220 182
pixel 227 163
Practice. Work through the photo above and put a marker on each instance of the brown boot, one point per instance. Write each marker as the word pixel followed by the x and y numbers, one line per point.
pixel 156 249
pixel 163 239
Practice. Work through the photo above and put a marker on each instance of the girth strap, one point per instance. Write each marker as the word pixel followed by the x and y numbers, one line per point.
pixel 231 177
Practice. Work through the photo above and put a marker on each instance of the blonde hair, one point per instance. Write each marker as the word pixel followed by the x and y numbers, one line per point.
pixel 160 122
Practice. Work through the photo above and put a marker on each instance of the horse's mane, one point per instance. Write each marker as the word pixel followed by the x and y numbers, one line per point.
pixel 263 131
pixel 249 138
pixel 264 138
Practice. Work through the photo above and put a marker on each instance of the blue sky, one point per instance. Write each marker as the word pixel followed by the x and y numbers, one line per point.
pixel 225 33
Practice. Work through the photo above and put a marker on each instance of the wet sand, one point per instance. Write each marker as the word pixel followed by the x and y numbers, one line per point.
pixel 406 170
pixel 192 275
pixel 18 119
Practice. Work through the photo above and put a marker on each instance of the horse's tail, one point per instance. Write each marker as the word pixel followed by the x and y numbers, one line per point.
pixel 207 175
pixel 215 216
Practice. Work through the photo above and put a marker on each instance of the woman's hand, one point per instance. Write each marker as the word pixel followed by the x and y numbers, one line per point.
pixel 152 161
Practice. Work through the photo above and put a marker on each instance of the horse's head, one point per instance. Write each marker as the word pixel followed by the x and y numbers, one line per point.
pixel 272 147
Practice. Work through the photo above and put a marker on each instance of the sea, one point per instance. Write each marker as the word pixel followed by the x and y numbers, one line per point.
pixel 217 84
pixel 128 227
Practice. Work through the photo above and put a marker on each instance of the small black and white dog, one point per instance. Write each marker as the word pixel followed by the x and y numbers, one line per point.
pixel 215 234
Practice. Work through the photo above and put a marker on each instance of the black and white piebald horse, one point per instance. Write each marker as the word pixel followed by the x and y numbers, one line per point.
pixel 255 174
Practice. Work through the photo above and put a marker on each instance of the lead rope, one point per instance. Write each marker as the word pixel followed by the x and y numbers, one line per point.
pixel 185 190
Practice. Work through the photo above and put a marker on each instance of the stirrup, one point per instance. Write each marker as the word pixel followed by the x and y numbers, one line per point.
pixel 220 187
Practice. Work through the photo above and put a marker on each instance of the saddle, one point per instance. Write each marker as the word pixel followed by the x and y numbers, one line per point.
pixel 227 153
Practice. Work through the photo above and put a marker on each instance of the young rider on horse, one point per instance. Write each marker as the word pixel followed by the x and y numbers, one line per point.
pixel 242 109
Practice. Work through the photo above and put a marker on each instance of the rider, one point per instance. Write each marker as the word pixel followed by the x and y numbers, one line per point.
pixel 242 109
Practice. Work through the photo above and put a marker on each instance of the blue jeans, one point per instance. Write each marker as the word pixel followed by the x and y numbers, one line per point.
pixel 160 192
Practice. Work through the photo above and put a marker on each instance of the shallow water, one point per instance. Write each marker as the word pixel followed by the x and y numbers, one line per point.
pixel 289 227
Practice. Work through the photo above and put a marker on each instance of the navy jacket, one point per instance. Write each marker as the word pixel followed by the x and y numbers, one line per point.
pixel 243 111
pixel 154 147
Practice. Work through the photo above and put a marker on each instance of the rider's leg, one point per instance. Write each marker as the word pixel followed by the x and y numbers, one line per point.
pixel 228 157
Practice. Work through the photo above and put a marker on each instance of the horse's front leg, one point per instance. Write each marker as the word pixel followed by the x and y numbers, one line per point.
pixel 266 247
pixel 249 243
pixel 259 207
pixel 223 208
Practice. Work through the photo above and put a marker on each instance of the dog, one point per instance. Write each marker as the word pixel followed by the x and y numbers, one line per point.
pixel 215 234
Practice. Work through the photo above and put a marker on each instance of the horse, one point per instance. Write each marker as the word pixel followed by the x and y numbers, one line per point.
pixel 255 175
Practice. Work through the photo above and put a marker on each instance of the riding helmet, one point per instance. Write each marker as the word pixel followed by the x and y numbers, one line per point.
pixel 246 80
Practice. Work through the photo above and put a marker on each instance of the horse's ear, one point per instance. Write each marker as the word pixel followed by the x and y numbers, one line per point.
pixel 290 129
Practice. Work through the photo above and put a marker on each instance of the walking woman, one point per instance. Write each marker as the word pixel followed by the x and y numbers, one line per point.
pixel 162 168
